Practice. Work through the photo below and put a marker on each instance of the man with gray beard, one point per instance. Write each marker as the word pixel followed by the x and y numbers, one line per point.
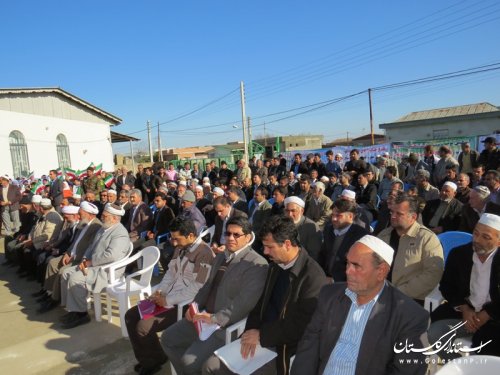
pixel 309 232
pixel 85 232
pixel 470 287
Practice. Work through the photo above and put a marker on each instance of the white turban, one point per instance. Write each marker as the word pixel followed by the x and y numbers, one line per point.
pixel 89 207
pixel 77 196
pixel 452 185
pixel 348 194
pixel 491 220
pixel 324 179
pixel 36 199
pixel 182 183
pixel 114 211
pixel 46 203
pixel 378 246
pixel 293 199
pixel 198 188
pixel 70 210
pixel 111 191
pixel 218 190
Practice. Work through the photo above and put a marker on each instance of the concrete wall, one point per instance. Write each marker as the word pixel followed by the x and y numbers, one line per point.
pixel 88 141
pixel 443 130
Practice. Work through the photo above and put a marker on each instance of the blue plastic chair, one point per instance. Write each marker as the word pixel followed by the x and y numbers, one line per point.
pixel 161 238
pixel 452 239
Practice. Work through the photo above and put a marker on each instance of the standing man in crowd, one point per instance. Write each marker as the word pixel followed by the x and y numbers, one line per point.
pixel 10 196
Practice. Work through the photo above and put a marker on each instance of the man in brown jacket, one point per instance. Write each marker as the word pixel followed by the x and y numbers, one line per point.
pixel 418 254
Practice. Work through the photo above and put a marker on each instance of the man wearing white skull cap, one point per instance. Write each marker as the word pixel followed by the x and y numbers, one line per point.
pixel 111 243
pixel 86 230
pixel 443 214
pixel 360 326
pixel 470 287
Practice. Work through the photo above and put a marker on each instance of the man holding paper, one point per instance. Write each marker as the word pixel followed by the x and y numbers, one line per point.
pixel 233 288
pixel 187 272
pixel 279 319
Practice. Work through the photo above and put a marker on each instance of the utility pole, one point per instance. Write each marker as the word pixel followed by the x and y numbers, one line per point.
pixel 132 155
pixel 250 137
pixel 160 152
pixel 371 115
pixel 244 122
pixel 265 135
pixel 150 144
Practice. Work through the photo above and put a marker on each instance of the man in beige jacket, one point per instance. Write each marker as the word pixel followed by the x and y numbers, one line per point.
pixel 418 254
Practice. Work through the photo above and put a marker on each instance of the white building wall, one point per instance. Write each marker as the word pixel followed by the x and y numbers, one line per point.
pixel 87 141
pixel 452 129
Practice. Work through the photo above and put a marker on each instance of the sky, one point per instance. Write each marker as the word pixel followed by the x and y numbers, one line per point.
pixel 180 63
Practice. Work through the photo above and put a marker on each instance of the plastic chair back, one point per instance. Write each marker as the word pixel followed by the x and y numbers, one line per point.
pixel 452 239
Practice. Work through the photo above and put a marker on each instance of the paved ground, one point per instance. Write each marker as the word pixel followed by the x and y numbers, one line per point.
pixel 31 343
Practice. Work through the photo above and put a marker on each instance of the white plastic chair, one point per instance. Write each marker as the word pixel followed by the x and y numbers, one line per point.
pixel 238 327
pixel 472 365
pixel 122 290
pixel 111 279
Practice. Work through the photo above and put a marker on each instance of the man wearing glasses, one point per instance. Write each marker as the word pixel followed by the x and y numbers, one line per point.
pixel 233 289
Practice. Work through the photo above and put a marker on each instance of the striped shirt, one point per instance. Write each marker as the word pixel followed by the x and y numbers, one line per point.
pixel 344 356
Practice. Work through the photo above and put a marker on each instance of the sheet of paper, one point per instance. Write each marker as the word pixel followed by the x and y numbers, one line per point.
pixel 230 355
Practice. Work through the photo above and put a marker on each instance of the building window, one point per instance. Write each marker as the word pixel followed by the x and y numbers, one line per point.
pixel 19 154
pixel 63 152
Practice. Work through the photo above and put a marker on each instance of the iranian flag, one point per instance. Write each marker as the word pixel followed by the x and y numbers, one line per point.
pixel 109 180
pixel 60 174
pixel 70 172
pixel 98 169
pixel 38 188
pixel 81 174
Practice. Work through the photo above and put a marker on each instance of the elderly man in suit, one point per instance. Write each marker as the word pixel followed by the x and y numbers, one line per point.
pixel 233 288
pixel 338 237
pixel 442 215
pixel 125 178
pixel 320 206
pixel 470 288
pixel 225 212
pixel 48 226
pixel 140 216
pixel 358 325
pixel 111 243
pixel 85 232
pixel 309 232
pixel 10 196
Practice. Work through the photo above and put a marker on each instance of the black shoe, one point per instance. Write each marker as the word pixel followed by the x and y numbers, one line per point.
pixel 67 316
pixel 137 367
pixel 43 298
pixel 40 293
pixel 47 306
pixel 23 274
pixel 76 321
pixel 31 278
pixel 20 271
pixel 7 262
pixel 150 370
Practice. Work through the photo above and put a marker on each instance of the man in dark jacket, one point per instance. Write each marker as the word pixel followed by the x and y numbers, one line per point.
pixel 298 166
pixel 339 235
pixel 490 156
pixel 224 211
pixel 470 287
pixel 442 215
pixel 289 299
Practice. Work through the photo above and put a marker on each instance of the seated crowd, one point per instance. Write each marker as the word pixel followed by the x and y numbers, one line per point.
pixel 330 263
